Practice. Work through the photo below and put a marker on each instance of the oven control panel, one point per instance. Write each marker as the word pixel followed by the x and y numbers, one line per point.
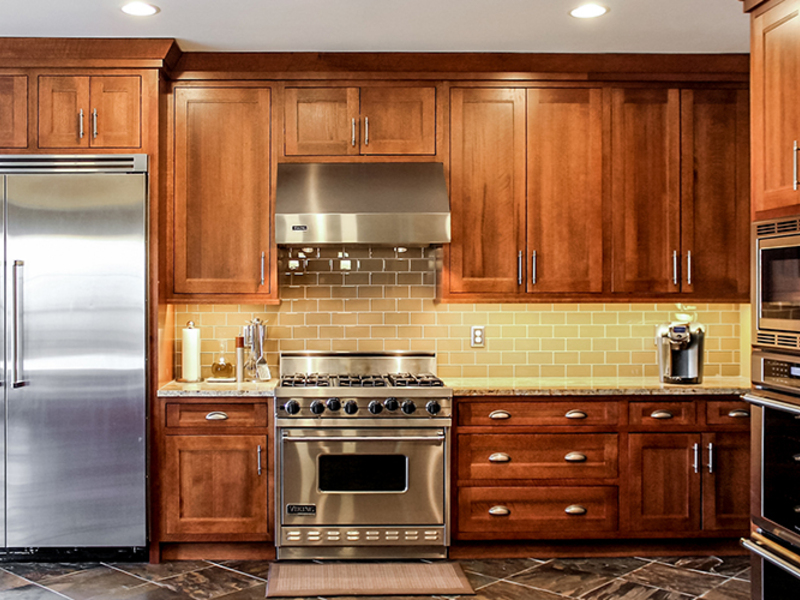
pixel 392 407
pixel 362 536
pixel 781 371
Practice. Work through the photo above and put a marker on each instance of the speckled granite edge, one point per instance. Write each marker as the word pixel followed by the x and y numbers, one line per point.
pixel 175 389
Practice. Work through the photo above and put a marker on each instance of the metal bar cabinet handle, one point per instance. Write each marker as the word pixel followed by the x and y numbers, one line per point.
pixel 689 267
pixel 16 358
pixel 366 131
pixel 533 268
pixel 259 460
pixel 519 267
pixel 94 122
pixel 80 123
pixel 696 461
pixel 353 132
pixel 434 439
pixel 794 166
pixel 711 458
pixel 674 267
pixel 263 266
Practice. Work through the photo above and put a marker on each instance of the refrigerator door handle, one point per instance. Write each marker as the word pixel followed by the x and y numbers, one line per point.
pixel 16 358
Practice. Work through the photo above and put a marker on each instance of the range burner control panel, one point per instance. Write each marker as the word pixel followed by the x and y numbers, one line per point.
pixel 324 380
pixel 344 407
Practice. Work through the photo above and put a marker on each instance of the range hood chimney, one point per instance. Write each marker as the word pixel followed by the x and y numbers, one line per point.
pixel 386 204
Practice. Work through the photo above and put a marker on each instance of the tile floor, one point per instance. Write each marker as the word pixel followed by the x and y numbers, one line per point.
pixel 707 578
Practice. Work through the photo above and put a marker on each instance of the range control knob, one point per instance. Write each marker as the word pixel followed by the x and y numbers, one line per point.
pixel 317 407
pixel 334 404
pixel 433 407
pixel 391 404
pixel 409 407
pixel 292 407
pixel 375 407
pixel 351 407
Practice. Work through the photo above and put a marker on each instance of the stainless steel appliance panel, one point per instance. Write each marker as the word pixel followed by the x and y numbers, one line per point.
pixel 2 396
pixel 75 309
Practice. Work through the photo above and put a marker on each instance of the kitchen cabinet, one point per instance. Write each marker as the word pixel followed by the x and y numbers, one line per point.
pixel 352 121
pixel 13 111
pixel 222 232
pixel 90 111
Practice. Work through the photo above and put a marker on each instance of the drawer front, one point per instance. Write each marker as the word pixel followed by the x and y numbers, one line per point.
pixel 215 416
pixel 731 413
pixel 516 413
pixel 548 511
pixel 537 456
pixel 663 415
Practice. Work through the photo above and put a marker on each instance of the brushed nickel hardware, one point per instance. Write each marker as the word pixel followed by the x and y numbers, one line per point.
pixel 769 403
pixel 519 267
pixel 499 414
pixel 16 358
pixel 94 123
pixel 738 413
pixel 661 414
pixel 711 458
pixel 689 267
pixel 80 123
pixel 366 131
pixel 696 462
pixel 575 510
pixel 796 458
pixel 438 439
pixel 259 460
pixel 217 415
pixel 499 511
pixel 575 457
pixel 499 457
pixel 352 132
pixel 533 268
pixel 770 557
pixel 674 267
pixel 576 414
pixel 263 265
pixel 794 165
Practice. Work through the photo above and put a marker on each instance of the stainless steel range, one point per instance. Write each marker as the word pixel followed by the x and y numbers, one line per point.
pixel 362 447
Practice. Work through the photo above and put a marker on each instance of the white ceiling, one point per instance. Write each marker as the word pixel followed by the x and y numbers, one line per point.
pixel 717 26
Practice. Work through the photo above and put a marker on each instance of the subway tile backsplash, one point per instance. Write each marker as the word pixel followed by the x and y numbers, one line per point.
pixel 375 299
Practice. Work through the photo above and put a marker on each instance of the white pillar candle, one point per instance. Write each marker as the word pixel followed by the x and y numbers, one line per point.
pixel 191 353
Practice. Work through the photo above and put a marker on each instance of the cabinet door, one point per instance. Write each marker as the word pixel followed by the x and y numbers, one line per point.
pixel 565 190
pixel 212 485
pixel 222 191
pixel 646 190
pixel 775 79
pixel 487 190
pixel 64 115
pixel 13 111
pixel 726 481
pixel 398 120
pixel 664 485
pixel 116 107
pixel 321 121
pixel 715 196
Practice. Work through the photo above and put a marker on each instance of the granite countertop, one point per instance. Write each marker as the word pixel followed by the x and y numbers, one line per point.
pixel 500 386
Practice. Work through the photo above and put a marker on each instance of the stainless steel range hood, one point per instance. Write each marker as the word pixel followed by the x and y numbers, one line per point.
pixel 388 204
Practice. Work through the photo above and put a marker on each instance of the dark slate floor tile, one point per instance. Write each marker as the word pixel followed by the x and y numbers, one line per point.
pixel 256 568
pixel 674 579
pixel 744 575
pixel 209 583
pixel 477 581
pixel 98 583
pixel 9 581
pixel 498 568
pixel 727 566
pixel 629 590
pixel 611 567
pixel 162 570
pixel 31 592
pixel 733 589
pixel 257 592
pixel 563 577
pixel 43 572
pixel 504 590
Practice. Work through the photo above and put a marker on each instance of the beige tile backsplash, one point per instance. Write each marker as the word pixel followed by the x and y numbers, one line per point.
pixel 384 300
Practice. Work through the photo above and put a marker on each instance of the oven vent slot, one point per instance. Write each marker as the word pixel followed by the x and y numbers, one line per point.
pixel 768 339
pixel 765 229
pixel 787 341
pixel 787 226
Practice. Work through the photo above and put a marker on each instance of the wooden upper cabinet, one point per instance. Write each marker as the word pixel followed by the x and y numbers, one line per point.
pixel 487 190
pixel 222 191
pixel 13 111
pixel 645 188
pixel 342 121
pixel 715 194
pixel 565 190
pixel 90 112
pixel 775 86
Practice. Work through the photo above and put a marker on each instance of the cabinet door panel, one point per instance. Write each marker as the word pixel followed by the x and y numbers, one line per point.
pixel 715 199
pixel 321 121
pixel 211 485
pixel 118 102
pixel 222 190
pixel 13 111
pixel 565 190
pixel 645 189
pixel 60 101
pixel 401 120
pixel 664 490
pixel 726 481
pixel 487 189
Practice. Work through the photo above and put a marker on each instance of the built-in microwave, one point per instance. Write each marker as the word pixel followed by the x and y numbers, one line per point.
pixel 776 283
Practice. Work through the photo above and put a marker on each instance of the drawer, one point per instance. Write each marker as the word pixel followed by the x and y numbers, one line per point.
pixel 217 415
pixel 731 413
pixel 537 456
pixel 655 415
pixel 514 512
pixel 578 411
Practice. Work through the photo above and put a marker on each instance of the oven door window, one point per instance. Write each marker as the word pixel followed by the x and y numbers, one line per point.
pixel 781 469
pixel 780 282
pixel 367 473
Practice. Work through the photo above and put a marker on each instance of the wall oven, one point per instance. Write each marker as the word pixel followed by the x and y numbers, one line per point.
pixel 775 486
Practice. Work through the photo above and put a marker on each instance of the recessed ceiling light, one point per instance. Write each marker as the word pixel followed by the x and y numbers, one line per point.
pixel 139 9
pixel 588 11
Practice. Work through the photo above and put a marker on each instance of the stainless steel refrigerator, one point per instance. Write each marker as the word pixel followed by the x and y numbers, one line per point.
pixel 74 332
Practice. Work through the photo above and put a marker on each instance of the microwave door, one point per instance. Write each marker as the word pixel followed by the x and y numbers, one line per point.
pixel 777 284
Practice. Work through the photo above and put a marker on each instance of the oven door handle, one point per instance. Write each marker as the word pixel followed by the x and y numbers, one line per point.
pixel 771 403
pixel 436 439
pixel 772 557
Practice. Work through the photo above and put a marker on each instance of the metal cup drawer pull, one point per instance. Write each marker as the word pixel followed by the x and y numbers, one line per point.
pixel 499 457
pixel 739 414
pixel 499 415
pixel 661 414
pixel 576 414
pixel 575 510
pixel 216 415
pixel 575 457
pixel 499 511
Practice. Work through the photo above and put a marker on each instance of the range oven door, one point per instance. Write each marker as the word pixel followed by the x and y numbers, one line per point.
pixel 776 284
pixel 358 477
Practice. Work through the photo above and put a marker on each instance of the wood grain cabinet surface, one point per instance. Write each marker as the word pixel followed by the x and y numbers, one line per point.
pixel 352 121
pixel 13 111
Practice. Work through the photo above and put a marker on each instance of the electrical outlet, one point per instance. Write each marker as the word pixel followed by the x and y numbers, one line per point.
pixel 477 336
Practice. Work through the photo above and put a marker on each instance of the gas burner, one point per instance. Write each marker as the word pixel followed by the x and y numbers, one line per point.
pixel 410 380
pixel 361 381
pixel 303 380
